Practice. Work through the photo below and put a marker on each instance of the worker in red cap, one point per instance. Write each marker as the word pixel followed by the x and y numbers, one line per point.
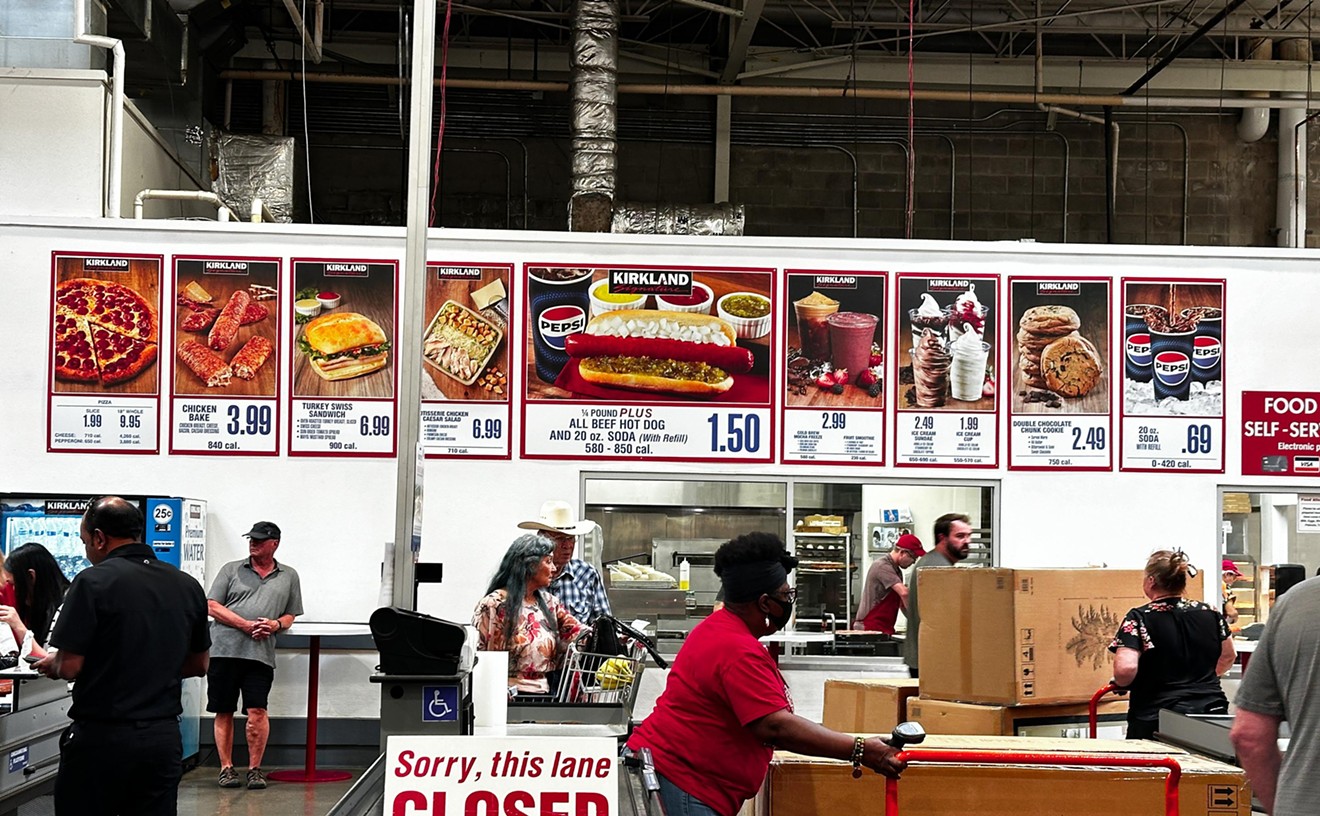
pixel 883 592
pixel 1230 574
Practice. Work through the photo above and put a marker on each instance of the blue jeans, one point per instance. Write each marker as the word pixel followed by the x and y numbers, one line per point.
pixel 678 802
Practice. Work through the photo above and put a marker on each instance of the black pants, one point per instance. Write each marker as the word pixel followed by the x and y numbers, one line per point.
pixel 119 769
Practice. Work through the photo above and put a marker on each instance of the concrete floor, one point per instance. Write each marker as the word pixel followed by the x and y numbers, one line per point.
pixel 200 796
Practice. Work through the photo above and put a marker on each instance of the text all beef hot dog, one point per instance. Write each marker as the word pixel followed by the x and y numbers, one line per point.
pixel 652 350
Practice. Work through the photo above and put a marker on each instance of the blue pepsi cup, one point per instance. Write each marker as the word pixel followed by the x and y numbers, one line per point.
pixel 560 300
pixel 1171 363
pixel 1207 347
pixel 1136 342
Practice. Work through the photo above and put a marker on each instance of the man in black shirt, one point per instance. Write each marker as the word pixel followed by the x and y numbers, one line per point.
pixel 131 629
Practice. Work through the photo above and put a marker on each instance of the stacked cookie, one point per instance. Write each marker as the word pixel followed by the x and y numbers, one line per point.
pixel 1053 355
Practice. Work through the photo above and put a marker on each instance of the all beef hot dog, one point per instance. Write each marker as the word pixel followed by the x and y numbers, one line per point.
pixel 656 350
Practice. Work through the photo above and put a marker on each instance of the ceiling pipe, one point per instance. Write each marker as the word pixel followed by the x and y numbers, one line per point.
pixel 1290 196
pixel 115 174
pixel 223 213
pixel 1256 121
pixel 594 114
pixel 798 91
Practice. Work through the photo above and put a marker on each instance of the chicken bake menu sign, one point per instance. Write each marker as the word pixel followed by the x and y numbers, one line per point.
pixel 649 363
pixel 342 357
pixel 104 379
pixel 947 403
pixel 225 389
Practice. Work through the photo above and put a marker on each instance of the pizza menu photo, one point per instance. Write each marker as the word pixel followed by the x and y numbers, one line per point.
pixel 105 335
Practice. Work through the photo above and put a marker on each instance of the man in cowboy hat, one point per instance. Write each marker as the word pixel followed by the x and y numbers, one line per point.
pixel 576 583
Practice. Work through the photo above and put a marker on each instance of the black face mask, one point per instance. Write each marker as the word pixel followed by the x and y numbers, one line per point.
pixel 785 612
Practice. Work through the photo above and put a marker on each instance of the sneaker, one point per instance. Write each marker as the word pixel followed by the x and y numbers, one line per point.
pixel 256 780
pixel 229 777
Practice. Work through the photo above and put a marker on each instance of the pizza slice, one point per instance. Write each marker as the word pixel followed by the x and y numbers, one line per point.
pixel 125 311
pixel 255 313
pixel 77 297
pixel 120 357
pixel 74 359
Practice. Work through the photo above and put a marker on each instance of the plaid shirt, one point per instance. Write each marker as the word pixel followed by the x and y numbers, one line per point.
pixel 580 589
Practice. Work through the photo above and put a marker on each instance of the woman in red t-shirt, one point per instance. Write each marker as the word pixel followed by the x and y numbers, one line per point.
pixel 726 707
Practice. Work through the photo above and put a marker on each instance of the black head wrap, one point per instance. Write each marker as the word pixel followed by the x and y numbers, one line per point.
pixel 749 581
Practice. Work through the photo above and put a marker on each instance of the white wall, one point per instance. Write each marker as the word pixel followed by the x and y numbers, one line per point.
pixel 54 148
pixel 336 514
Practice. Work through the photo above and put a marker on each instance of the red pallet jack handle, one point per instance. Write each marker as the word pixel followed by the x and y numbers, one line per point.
pixel 1018 758
pixel 1094 710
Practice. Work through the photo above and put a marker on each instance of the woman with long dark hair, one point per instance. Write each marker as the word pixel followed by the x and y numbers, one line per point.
pixel 520 617
pixel 39 587
pixel 1171 652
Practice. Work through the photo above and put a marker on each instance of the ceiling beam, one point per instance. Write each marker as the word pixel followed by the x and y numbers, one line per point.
pixel 742 40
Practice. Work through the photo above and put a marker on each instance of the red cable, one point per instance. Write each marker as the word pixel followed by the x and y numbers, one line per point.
pixel 444 93
pixel 911 127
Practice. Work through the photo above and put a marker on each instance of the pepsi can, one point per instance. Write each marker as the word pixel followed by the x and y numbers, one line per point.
pixel 1136 342
pixel 560 299
pixel 1171 363
pixel 1207 347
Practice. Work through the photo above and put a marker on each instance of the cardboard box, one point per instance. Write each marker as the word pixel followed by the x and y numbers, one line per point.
pixel 806 786
pixel 944 717
pixel 872 705
pixel 1023 637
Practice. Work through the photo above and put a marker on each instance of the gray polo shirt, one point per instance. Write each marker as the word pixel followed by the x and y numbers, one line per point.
pixel 249 595
pixel 1281 681
pixel 934 558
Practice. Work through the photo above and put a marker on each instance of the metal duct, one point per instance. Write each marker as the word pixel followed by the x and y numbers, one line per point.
pixel 594 117
pixel 255 167
pixel 679 219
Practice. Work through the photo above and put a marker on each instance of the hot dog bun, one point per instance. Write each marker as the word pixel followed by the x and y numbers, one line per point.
pixel 673 377
pixel 696 328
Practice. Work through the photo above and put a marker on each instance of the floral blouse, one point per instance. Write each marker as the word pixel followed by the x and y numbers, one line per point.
pixel 538 646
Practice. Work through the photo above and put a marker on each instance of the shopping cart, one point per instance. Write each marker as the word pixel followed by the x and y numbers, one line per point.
pixel 601 678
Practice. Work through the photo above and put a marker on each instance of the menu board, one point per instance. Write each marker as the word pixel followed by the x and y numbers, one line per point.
pixel 1173 376
pixel 1281 435
pixel 466 405
pixel 104 379
pixel 649 363
pixel 344 377
pixel 834 406
pixel 1059 360
pixel 224 397
pixel 947 407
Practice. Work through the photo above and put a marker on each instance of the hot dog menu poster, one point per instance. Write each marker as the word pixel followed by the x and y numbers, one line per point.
pixel 226 315
pixel 344 315
pixel 1059 360
pixel 834 373
pixel 466 405
pixel 104 353
pixel 947 387
pixel 1173 375
pixel 665 363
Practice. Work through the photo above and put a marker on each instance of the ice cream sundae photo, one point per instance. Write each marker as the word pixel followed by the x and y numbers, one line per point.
pixel 950 359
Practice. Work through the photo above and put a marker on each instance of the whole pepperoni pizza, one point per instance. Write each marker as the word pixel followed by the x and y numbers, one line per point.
pixel 104 332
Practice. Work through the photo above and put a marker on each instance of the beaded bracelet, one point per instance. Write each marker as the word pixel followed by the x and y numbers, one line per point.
pixel 859 746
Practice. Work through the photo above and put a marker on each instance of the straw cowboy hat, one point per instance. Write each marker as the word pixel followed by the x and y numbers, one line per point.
pixel 558 517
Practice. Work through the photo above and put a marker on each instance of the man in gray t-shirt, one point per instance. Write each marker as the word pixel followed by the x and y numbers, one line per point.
pixel 1282 678
pixel 953 541
pixel 251 601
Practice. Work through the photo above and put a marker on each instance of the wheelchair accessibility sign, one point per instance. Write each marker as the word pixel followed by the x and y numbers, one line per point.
pixel 439 703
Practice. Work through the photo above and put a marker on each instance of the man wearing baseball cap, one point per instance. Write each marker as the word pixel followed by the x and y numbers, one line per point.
pixel 577 584
pixel 1230 574
pixel 251 601
pixel 883 593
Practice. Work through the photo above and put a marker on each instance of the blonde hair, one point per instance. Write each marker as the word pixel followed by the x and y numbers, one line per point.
pixel 1170 570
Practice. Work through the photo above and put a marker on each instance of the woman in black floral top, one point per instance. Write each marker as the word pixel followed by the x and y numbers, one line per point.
pixel 1170 652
